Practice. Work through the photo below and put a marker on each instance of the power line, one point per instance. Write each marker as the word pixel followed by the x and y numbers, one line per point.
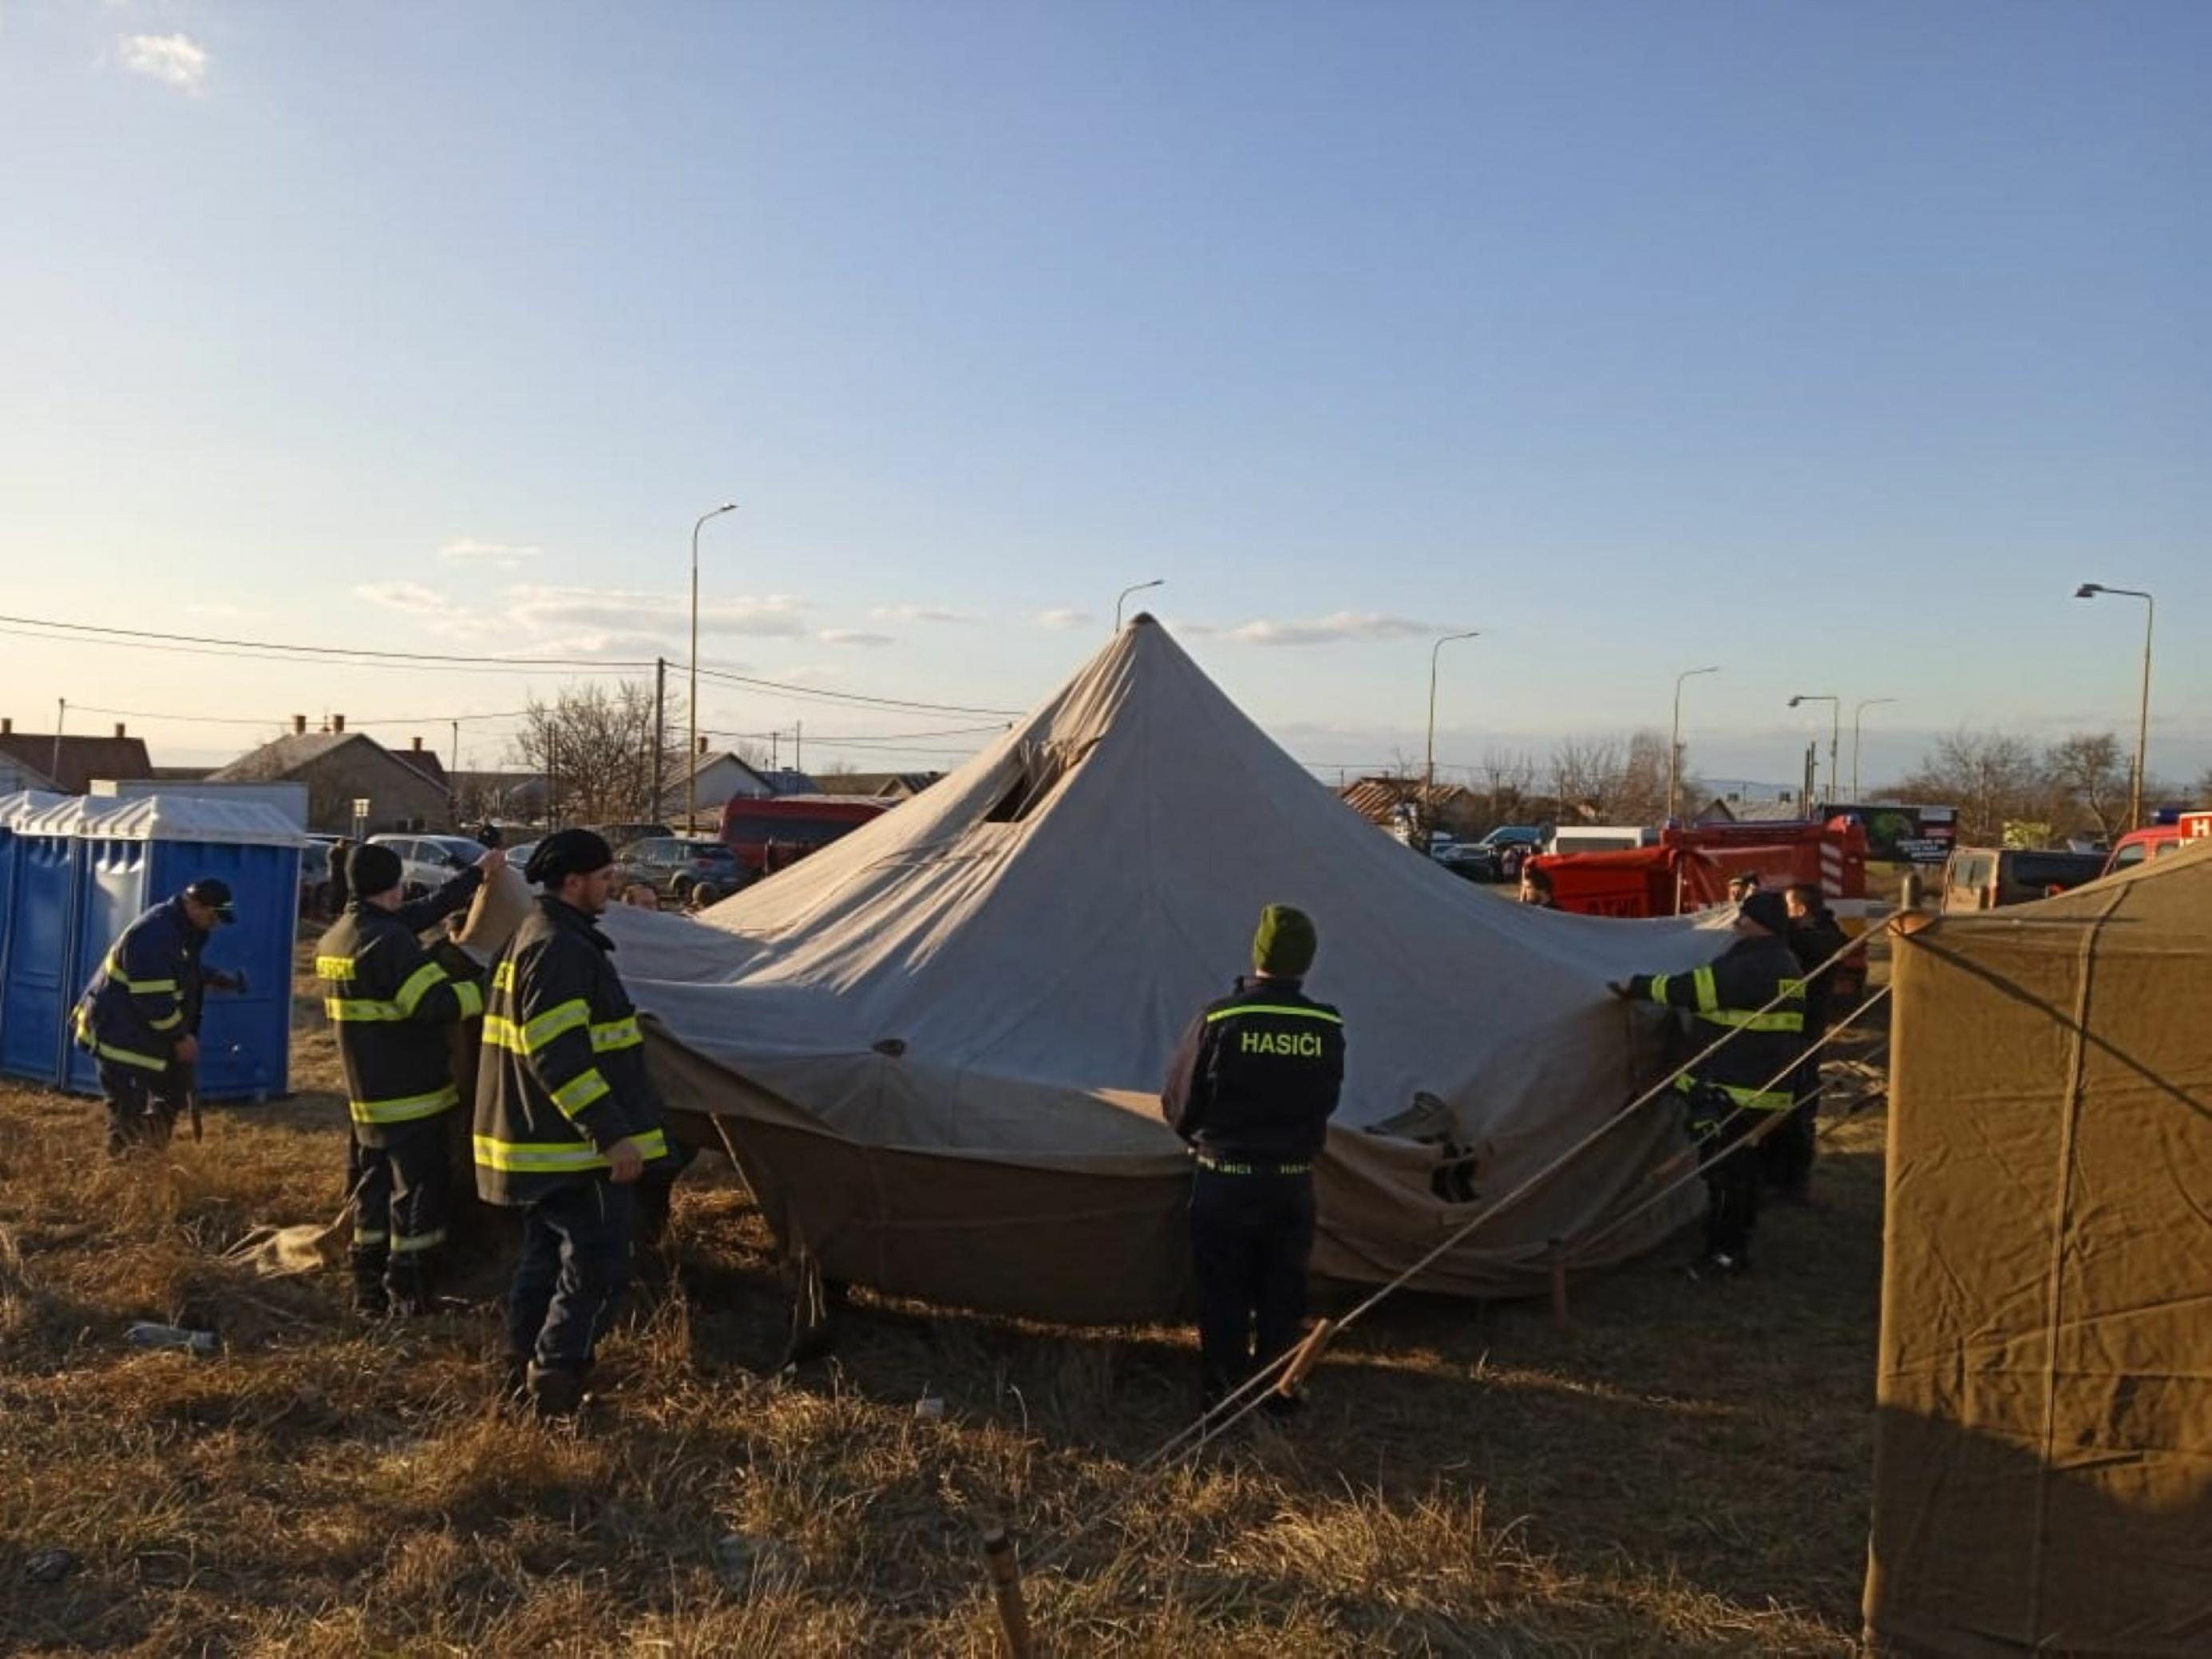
pixel 816 693
pixel 311 654
pixel 172 641
pixel 832 739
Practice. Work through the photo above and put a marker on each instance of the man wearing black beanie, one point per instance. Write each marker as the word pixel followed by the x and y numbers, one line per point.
pixel 1251 1088
pixel 1742 1091
pixel 391 1004
pixel 567 1120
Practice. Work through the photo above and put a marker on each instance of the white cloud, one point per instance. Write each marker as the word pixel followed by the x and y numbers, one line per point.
pixel 175 60
pixel 776 615
pixel 853 636
pixel 922 613
pixel 1183 628
pixel 1333 628
pixel 411 597
pixel 1063 617
pixel 506 554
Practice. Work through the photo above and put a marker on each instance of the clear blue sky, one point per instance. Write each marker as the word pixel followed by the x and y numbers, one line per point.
pixel 1832 344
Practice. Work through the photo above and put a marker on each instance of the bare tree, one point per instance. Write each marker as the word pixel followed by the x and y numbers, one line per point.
pixel 1992 777
pixel 595 749
pixel 1586 777
pixel 2088 776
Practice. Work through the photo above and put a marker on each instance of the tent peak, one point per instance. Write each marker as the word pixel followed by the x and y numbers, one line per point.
pixel 1144 619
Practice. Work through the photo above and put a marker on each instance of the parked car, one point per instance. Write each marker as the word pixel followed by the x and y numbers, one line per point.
pixel 619 835
pixel 692 870
pixel 428 862
pixel 772 834
pixel 1497 855
pixel 315 873
pixel 2159 839
pixel 1986 877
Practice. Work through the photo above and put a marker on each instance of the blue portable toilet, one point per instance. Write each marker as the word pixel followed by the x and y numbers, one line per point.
pixel 13 805
pixel 84 871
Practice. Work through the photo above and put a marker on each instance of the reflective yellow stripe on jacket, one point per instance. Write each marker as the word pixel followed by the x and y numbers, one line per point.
pixel 540 1033
pixel 556 1157
pixel 1273 1008
pixel 137 987
pixel 406 1111
pixel 109 1051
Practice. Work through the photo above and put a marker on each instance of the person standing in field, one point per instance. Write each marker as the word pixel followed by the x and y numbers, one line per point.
pixel 1251 1089
pixel 391 1004
pixel 566 1120
pixel 1816 941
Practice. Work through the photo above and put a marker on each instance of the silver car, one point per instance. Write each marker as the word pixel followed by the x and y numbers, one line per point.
pixel 428 862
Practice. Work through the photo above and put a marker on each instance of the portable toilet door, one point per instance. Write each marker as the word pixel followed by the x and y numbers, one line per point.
pixel 36 988
pixel 143 851
pixel 245 1038
pixel 111 893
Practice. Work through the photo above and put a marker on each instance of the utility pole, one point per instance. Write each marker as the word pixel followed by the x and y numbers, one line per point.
pixel 659 734
pixel 798 753
pixel 61 719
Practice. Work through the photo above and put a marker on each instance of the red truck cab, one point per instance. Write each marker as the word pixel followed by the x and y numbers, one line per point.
pixel 775 831
pixel 2138 846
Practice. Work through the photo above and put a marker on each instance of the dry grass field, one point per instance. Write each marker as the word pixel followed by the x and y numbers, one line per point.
pixel 1684 1469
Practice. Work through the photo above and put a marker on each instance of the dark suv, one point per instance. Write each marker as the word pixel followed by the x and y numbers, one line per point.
pixel 691 871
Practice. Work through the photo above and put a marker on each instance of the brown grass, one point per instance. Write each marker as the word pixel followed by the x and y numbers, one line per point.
pixel 1682 1470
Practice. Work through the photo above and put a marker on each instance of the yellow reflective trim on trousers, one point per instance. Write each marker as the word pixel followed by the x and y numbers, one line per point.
pixel 364 1236
pixel 420 984
pixel 617 1034
pixel 1757 1100
pixel 581 1091
pixel 142 988
pixel 409 1243
pixel 334 967
pixel 109 1051
pixel 556 1157
pixel 1273 1008
pixel 404 1110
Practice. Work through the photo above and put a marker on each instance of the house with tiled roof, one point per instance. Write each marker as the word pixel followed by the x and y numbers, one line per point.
pixel 68 762
pixel 341 767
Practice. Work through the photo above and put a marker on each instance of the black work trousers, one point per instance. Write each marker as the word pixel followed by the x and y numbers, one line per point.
pixel 576 1244
pixel 401 1192
pixel 1785 1156
pixel 1732 1183
pixel 143 1105
pixel 1251 1236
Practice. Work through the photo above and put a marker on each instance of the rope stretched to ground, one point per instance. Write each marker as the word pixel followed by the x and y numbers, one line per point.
pixel 1250 1396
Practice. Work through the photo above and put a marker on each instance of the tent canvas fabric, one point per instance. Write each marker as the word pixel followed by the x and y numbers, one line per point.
pixel 2042 1476
pixel 937 1045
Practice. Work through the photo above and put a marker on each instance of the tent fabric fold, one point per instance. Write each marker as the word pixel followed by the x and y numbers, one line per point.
pixel 938 1042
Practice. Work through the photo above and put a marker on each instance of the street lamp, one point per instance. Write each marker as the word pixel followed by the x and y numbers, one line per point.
pixel 2089 591
pixel 1429 770
pixel 1675 747
pixel 1157 582
pixel 1857 714
pixel 692 755
pixel 1835 728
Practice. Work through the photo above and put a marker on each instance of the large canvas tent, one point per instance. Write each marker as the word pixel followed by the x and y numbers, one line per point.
pixel 936 1046
pixel 2044 1457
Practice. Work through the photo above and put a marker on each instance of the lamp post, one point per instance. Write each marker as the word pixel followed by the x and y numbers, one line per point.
pixel 1674 746
pixel 2089 591
pixel 1139 588
pixel 1429 767
pixel 1857 714
pixel 1835 729
pixel 691 755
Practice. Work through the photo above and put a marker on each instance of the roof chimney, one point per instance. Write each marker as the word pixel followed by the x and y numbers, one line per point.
pixel 118 729
pixel 702 745
pixel 337 722
pixel 7 726
pixel 299 725
pixel 418 745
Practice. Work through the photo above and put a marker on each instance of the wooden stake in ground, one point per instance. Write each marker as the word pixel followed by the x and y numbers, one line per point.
pixel 1006 1591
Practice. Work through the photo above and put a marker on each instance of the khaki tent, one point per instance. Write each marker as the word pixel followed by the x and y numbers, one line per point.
pixel 936 1045
pixel 2044 1464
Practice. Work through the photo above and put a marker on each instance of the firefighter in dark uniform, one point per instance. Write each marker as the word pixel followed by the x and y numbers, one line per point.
pixel 140 1016
pixel 1735 1091
pixel 392 1003
pixel 1816 941
pixel 567 1120
pixel 1251 1088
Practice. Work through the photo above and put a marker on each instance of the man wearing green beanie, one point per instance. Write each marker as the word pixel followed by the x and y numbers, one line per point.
pixel 1251 1088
